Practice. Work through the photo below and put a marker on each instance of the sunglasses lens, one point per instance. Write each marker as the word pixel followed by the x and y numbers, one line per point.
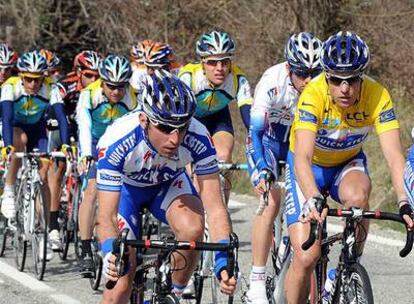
pixel 224 62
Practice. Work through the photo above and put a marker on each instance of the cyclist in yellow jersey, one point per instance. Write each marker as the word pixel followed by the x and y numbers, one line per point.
pixel 100 103
pixel 217 81
pixel 335 113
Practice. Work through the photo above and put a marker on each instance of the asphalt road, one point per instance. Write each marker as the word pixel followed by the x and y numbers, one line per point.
pixel 392 277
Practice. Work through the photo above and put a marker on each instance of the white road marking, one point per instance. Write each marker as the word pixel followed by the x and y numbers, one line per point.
pixel 333 228
pixel 33 284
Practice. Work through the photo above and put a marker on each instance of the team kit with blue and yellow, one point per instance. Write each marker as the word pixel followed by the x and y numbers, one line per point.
pixel 112 107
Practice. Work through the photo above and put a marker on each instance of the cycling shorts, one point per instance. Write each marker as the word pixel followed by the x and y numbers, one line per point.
pixel 36 136
pixel 155 198
pixel 327 179
pixel 219 121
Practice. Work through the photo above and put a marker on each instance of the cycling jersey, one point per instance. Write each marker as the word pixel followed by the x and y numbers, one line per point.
pixel 212 99
pixel 271 117
pixel 21 109
pixel 94 113
pixel 127 156
pixel 340 132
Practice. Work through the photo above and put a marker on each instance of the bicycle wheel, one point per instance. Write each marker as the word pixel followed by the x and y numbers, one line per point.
pixel 19 237
pixel 95 281
pixel 353 286
pixel 4 233
pixel 75 196
pixel 63 230
pixel 39 235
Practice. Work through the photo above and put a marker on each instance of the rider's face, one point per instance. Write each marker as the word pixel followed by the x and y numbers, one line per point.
pixel 164 139
pixel 87 77
pixel 114 92
pixel 344 92
pixel 5 73
pixel 32 83
pixel 216 69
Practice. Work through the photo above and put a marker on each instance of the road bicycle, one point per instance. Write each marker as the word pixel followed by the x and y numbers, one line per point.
pixel 157 288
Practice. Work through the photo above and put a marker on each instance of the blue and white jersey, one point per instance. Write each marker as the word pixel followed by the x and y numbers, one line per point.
pixel 272 112
pixel 127 156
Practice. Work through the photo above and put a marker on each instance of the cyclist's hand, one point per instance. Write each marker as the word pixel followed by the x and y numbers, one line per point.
pixel 68 151
pixel 6 151
pixel 227 285
pixel 310 210
pixel 109 267
pixel 84 164
pixel 263 178
pixel 406 212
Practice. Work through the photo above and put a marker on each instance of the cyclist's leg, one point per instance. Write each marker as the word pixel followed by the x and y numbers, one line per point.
pixel 262 229
pixel 8 205
pixel 297 283
pixel 352 187
pixel 181 207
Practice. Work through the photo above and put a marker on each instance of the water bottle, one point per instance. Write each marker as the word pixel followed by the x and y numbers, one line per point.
pixel 330 278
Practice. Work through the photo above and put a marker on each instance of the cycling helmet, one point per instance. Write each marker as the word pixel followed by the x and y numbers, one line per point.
pixel 137 51
pixel 215 43
pixel 8 57
pixel 87 60
pixel 158 55
pixel 32 62
pixel 302 51
pixel 167 100
pixel 115 69
pixel 345 55
pixel 52 60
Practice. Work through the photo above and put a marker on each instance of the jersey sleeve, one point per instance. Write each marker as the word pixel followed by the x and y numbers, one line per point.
pixel 7 92
pixel 55 95
pixel 385 118
pixel 244 95
pixel 185 77
pixel 84 120
pixel 309 111
pixel 109 172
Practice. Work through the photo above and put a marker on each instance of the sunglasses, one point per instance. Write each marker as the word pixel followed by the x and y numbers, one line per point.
pixel 5 70
pixel 306 73
pixel 166 129
pixel 32 79
pixel 336 81
pixel 214 62
pixel 89 75
pixel 113 87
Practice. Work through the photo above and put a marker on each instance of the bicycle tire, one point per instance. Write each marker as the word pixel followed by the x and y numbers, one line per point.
pixel 95 281
pixel 357 285
pixel 19 236
pixel 76 194
pixel 64 234
pixel 39 232
pixel 4 233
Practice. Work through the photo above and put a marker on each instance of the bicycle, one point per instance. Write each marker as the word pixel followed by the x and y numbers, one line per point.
pixel 351 283
pixel 225 183
pixel 31 217
pixel 161 282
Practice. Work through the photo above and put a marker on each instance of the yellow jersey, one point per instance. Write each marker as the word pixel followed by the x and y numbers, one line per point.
pixel 341 132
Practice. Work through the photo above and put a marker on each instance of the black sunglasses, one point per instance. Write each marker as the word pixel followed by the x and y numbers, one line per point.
pixel 113 87
pixel 336 81
pixel 214 62
pixel 306 73
pixel 166 129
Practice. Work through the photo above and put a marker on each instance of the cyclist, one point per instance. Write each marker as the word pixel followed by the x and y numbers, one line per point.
pixel 334 115
pixel 148 55
pixel 142 163
pixel 55 70
pixel 100 103
pixel 66 91
pixel 24 101
pixel 271 116
pixel 216 81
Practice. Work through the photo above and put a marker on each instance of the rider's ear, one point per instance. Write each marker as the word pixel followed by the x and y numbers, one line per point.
pixel 143 120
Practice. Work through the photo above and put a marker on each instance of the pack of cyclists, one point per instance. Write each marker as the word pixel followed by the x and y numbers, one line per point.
pixel 140 123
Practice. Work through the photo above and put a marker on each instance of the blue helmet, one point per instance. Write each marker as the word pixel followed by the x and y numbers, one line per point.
pixel 302 51
pixel 345 55
pixel 32 62
pixel 115 69
pixel 215 43
pixel 167 100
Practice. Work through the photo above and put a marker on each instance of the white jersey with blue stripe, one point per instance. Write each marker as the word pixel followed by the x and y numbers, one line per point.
pixel 272 112
pixel 127 156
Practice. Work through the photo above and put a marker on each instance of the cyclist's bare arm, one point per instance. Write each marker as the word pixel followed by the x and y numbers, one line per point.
pixel 304 146
pixel 107 214
pixel 217 216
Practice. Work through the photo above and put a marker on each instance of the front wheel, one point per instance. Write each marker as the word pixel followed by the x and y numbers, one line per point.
pixel 353 286
pixel 98 264
pixel 4 233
